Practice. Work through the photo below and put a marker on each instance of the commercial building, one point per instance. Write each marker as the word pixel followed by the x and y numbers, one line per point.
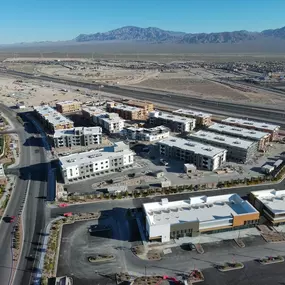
pixel 68 106
pixel 52 119
pixel 175 123
pixel 147 106
pixel 271 204
pixel 202 119
pixel 239 150
pixel 79 136
pixel 203 156
pixel 254 125
pixel 261 137
pixel 150 135
pixel 170 220
pixel 127 112
pixel 85 165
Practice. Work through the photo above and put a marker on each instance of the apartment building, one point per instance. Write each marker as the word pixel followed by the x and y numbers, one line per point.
pixel 89 112
pixel 254 125
pixel 271 204
pixel 51 119
pixel 202 118
pixel 110 122
pixel 149 135
pixel 79 136
pixel 147 106
pixel 173 122
pixel 68 106
pixel 262 138
pixel 127 112
pixel 167 220
pixel 80 166
pixel 239 150
pixel 203 156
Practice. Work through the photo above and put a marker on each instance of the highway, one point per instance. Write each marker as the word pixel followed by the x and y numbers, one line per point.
pixel 30 188
pixel 254 111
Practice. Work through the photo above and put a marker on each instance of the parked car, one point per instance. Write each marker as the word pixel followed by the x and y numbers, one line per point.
pixel 163 162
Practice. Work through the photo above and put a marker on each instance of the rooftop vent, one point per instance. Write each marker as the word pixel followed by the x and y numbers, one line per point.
pixel 236 142
pixel 219 138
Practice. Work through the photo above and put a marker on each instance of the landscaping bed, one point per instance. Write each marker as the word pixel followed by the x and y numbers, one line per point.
pixel 101 258
pixel 195 276
pixel 228 266
pixel 271 260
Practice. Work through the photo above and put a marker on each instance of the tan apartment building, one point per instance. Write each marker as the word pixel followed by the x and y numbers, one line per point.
pixel 202 118
pixel 68 106
pixel 147 106
pixel 127 112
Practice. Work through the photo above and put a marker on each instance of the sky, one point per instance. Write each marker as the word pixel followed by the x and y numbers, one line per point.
pixel 52 20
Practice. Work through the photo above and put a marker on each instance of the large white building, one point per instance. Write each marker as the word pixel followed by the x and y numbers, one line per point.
pixel 239 150
pixel 149 135
pixel 170 220
pixel 261 137
pixel 202 118
pixel 80 166
pixel 203 156
pixel 52 119
pixel 271 204
pixel 254 125
pixel 176 123
pixel 79 136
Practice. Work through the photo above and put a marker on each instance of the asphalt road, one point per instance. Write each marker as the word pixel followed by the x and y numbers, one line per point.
pixel 254 111
pixel 137 203
pixel 32 185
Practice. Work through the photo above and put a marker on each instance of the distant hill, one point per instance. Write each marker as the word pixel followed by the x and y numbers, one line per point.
pixel 156 35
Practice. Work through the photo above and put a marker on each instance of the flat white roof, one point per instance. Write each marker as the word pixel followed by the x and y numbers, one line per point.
pixel 2 172
pixel 170 117
pixel 51 115
pixel 201 208
pixel 194 113
pixel 253 124
pixel 93 110
pixel 71 132
pixel 150 131
pixel 68 102
pixel 109 117
pixel 126 107
pixel 273 199
pixel 241 132
pixel 89 157
pixel 222 139
pixel 193 146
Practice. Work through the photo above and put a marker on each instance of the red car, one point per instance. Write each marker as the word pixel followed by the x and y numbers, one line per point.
pixel 12 219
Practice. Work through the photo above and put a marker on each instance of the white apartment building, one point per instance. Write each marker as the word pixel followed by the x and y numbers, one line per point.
pixel 79 136
pixel 110 122
pixel 203 156
pixel 149 135
pixel 170 220
pixel 176 123
pixel 239 150
pixel 52 119
pixel 80 166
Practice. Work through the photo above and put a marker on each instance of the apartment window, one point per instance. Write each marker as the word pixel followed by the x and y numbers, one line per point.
pixel 70 172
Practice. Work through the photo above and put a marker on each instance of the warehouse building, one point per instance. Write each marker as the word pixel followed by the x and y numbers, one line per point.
pixel 261 137
pixel 202 119
pixel 68 106
pixel 171 220
pixel 79 136
pixel 52 119
pixel 239 150
pixel 253 125
pixel 271 204
pixel 80 166
pixel 203 156
pixel 149 135
pixel 127 112
pixel 175 123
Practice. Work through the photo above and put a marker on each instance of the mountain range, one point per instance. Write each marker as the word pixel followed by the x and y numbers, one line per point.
pixel 156 35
